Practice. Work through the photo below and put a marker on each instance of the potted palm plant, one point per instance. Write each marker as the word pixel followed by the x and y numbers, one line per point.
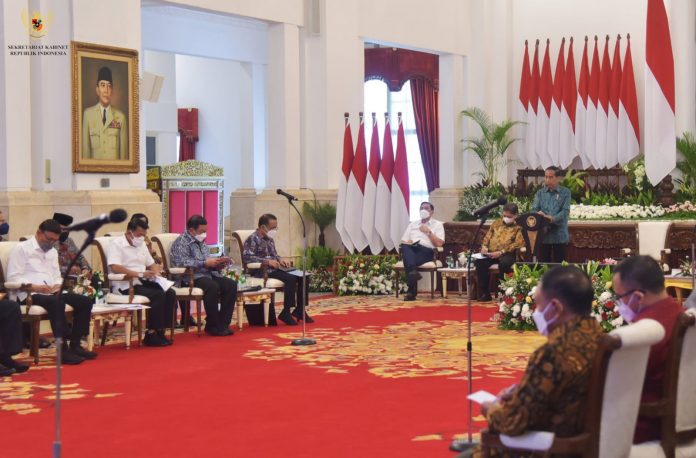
pixel 322 215
pixel 492 145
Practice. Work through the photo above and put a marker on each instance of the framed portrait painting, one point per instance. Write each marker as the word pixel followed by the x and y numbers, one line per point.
pixel 105 109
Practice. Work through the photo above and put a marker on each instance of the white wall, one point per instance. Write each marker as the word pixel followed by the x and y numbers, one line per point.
pixel 222 92
pixel 160 117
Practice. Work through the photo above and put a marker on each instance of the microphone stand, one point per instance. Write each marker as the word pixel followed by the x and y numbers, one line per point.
pixel 59 349
pixel 304 340
pixel 460 445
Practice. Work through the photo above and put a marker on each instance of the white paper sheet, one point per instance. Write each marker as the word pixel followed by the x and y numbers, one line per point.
pixel 164 283
pixel 482 396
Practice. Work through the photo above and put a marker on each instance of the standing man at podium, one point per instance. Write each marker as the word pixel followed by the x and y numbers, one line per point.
pixel 553 203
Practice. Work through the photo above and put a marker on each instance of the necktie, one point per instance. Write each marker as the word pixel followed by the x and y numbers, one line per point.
pixel 103 116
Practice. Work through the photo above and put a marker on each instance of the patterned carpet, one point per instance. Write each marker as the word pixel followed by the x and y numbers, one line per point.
pixel 408 360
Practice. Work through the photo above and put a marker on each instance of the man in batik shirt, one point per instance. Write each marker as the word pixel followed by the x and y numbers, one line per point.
pixel 67 249
pixel 260 247
pixel 553 391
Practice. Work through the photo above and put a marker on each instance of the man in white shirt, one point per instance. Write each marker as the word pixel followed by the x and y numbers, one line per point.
pixel 417 244
pixel 35 262
pixel 129 255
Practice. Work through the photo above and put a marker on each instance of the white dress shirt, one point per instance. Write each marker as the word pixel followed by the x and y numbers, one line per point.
pixel 122 253
pixel 28 263
pixel 414 233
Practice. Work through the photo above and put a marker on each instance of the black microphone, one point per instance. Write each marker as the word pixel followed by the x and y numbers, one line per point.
pixel 92 224
pixel 488 207
pixel 287 196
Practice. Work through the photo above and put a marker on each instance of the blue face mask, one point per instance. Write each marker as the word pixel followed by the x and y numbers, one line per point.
pixel 4 228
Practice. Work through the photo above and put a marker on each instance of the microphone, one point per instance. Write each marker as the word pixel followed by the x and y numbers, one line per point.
pixel 290 197
pixel 92 224
pixel 488 207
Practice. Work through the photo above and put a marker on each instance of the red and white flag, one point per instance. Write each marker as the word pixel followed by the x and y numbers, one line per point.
pixel 628 127
pixel 356 192
pixel 566 149
pixel 553 141
pixel 544 110
pixel 530 137
pixel 613 113
pixel 400 189
pixel 343 186
pixel 603 109
pixel 370 201
pixel 384 188
pixel 581 109
pixel 660 133
pixel 523 104
pixel 591 118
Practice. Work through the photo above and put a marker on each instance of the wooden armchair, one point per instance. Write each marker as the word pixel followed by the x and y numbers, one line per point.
pixel 652 241
pixel 429 267
pixel 676 408
pixel 249 268
pixel 614 390
pixel 184 294
pixel 32 314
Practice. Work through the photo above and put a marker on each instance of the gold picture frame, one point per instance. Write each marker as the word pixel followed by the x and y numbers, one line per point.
pixel 106 138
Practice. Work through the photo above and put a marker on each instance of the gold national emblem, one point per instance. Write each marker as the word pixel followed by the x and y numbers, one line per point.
pixel 531 221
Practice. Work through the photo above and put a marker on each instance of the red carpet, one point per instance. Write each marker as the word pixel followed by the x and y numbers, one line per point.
pixel 383 380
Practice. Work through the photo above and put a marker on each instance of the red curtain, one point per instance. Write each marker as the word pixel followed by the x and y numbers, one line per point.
pixel 425 109
pixel 396 66
pixel 188 133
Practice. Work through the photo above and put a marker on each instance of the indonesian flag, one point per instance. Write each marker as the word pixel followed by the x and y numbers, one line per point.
pixel 530 138
pixel 591 118
pixel 400 189
pixel 566 149
pixel 356 192
pixel 660 133
pixel 628 128
pixel 553 141
pixel 523 103
pixel 613 114
pixel 343 186
pixel 581 108
pixel 544 111
pixel 384 188
pixel 603 109
pixel 368 211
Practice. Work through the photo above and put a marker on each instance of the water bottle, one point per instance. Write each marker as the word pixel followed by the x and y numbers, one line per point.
pixel 450 261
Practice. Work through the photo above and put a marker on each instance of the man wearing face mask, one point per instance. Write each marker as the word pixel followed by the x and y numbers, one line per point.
pixel 417 244
pixel 189 250
pixel 499 246
pixel 67 249
pixel 128 255
pixel 553 389
pixel 35 262
pixel 260 247
pixel 639 285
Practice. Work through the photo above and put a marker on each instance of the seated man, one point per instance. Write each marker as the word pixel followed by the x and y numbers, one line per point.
pixel 67 249
pixel 190 250
pixel 128 255
pixel 417 244
pixel 552 392
pixel 35 262
pixel 499 246
pixel 639 285
pixel 10 337
pixel 260 247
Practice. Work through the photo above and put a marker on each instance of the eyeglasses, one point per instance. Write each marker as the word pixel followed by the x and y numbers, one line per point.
pixel 621 296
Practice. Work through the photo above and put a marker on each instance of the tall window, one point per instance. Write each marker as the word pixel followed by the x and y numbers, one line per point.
pixel 379 99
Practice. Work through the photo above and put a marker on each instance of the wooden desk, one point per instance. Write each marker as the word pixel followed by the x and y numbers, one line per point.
pixel 680 284
pixel 263 296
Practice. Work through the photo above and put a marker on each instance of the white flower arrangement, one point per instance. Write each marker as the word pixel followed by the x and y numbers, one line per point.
pixel 626 211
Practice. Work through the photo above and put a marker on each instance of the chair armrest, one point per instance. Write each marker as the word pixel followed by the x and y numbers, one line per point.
pixel 439 249
pixel 13 285
pixel 254 265
pixel 655 409
pixel 117 277
pixel 177 270
pixel 667 251
pixel 523 249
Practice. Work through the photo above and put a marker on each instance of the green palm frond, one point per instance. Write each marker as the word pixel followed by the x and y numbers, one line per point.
pixel 686 145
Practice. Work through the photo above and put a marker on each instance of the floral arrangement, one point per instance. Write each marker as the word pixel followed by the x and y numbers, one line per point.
pixel 363 274
pixel 321 281
pixel 626 211
pixel 635 170
pixel 517 300
pixel 83 285
pixel 609 262
pixel 685 267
